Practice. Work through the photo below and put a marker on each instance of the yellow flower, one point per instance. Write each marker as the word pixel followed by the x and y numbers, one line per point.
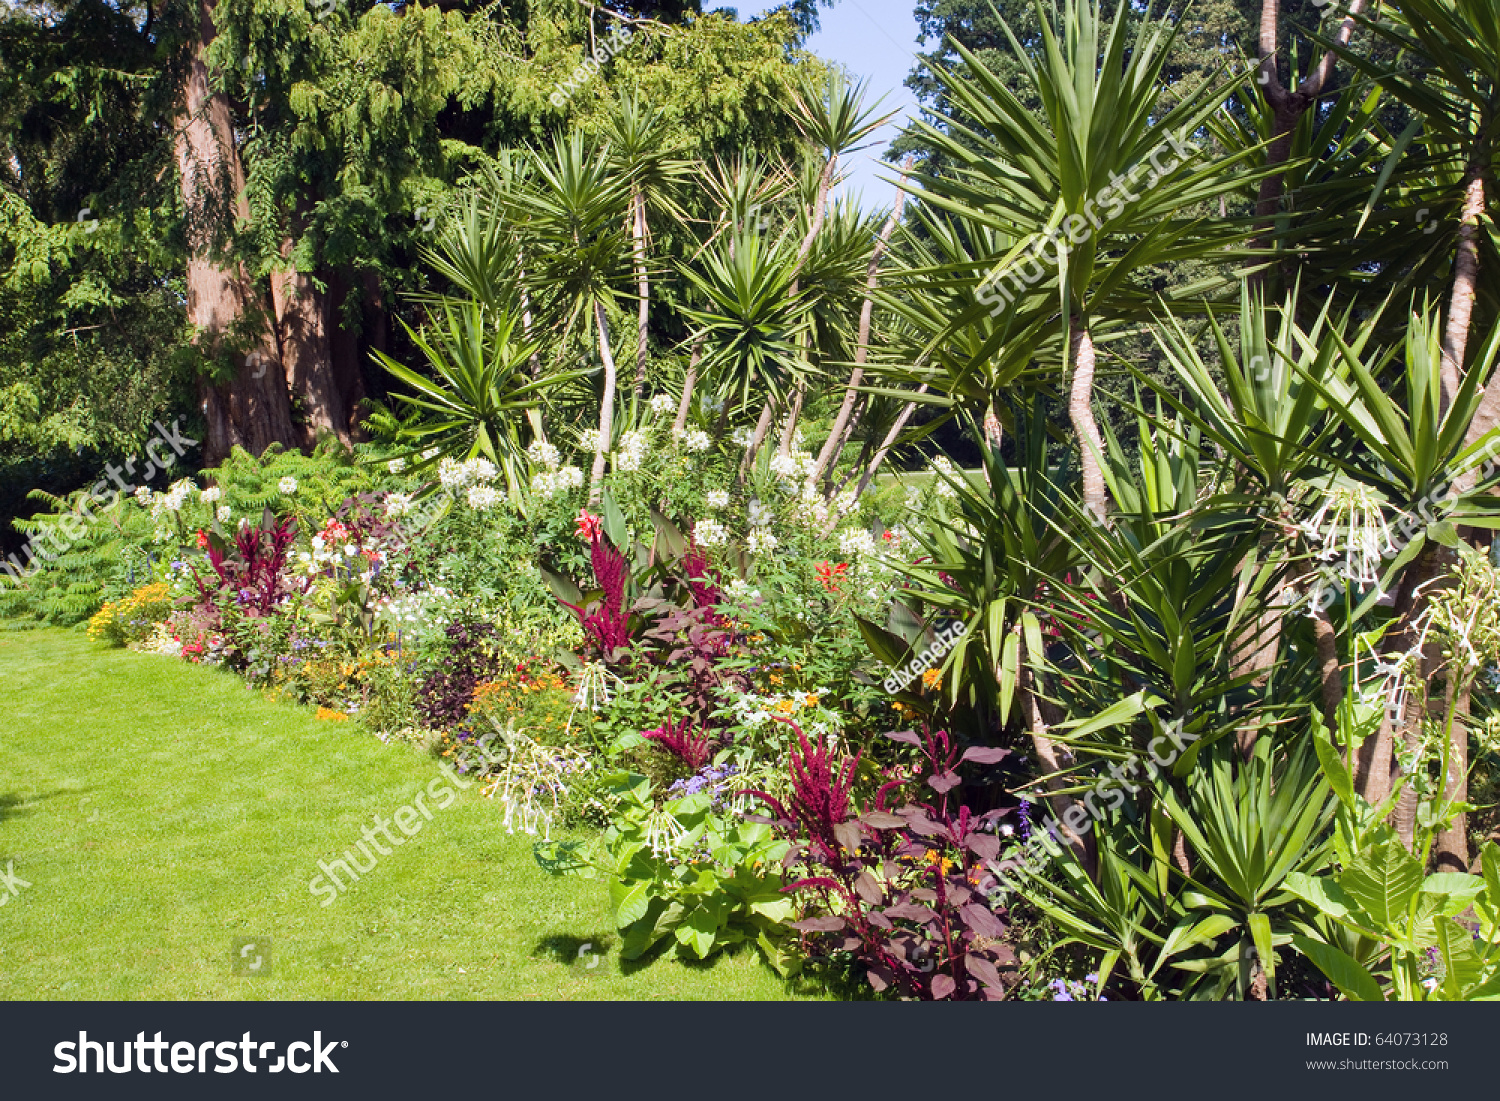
pixel 812 701
pixel 775 678
pixel 786 707
pixel 933 678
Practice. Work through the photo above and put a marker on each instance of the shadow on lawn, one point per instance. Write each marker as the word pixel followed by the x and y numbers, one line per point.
pixel 566 948
pixel 13 806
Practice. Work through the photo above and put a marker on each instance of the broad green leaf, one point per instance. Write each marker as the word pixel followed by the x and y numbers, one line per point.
pixel 1357 984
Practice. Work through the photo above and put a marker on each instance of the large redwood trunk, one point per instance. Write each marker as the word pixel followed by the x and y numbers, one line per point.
pixel 303 330
pixel 251 409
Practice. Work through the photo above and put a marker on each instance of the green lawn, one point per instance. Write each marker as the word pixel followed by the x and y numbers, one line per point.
pixel 160 811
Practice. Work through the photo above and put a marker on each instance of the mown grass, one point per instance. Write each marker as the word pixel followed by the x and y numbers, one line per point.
pixel 159 811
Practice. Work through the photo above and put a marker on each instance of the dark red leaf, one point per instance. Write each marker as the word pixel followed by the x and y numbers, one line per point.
pixel 867 889
pixel 943 781
pixel 986 846
pixel 982 921
pixel 985 755
pixel 942 987
pixel 983 970
pixel 907 736
pixel 880 820
pixel 819 924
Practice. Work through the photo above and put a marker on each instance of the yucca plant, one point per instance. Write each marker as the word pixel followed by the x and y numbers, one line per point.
pixel 1067 173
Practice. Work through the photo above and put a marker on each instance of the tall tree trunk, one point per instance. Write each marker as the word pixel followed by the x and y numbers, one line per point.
pixel 1451 849
pixel 862 348
pixel 689 383
pixel 1465 278
pixel 844 437
pixel 346 342
pixel 302 329
pixel 642 285
pixel 251 409
pixel 1081 414
pixel 606 406
pixel 1452 845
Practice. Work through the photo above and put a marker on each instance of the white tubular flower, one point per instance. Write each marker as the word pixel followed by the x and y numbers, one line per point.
pixel 717 498
pixel 210 495
pixel 287 486
pixel 588 440
pixel 397 504
pixel 662 404
pixel 568 477
pixel 1350 525
pixel 695 439
pixel 223 514
pixel 761 541
pixel 396 466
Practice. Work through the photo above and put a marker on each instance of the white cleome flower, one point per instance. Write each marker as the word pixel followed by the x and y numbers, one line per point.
pixel 483 498
pixel 287 486
pixel 944 470
pixel 785 467
pixel 223 514
pixel 396 466
pixel 480 472
pixel 544 454
pixel 662 404
pixel 710 533
pixel 568 477
pixel 696 439
pixel 855 541
pixel 717 498
pixel 761 541
pixel 397 504
pixel 210 495
pixel 588 440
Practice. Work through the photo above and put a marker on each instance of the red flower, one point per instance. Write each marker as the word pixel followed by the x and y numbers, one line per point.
pixel 888 536
pixel 202 539
pixel 589 525
pixel 830 575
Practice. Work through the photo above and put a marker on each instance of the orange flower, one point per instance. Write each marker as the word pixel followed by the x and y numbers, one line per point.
pixel 933 678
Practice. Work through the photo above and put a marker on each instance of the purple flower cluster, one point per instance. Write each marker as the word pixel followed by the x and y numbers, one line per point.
pixel 1067 990
pixel 1023 814
pixel 715 778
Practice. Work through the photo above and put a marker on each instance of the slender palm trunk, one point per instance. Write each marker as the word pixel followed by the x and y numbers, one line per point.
pixel 862 348
pixel 689 383
pixel 533 415
pixel 880 454
pixel 1049 762
pixel 1081 414
pixel 642 287
pixel 606 406
pixel 815 226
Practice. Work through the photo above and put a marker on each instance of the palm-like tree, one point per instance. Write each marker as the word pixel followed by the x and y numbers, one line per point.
pixel 646 154
pixel 574 214
pixel 1071 174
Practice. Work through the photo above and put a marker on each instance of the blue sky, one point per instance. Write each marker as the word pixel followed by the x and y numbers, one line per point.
pixel 876 40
